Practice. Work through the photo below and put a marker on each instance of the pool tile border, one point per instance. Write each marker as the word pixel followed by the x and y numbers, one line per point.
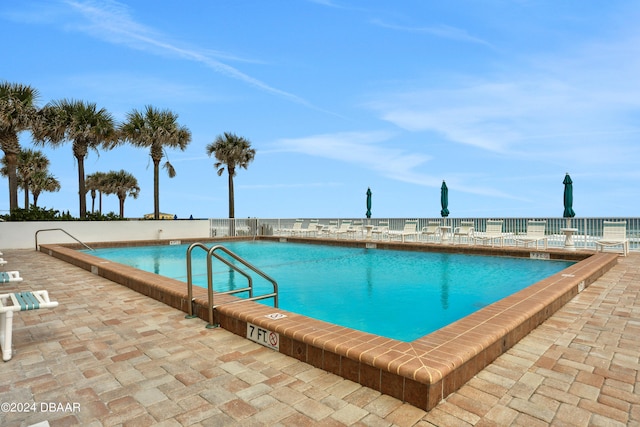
pixel 421 372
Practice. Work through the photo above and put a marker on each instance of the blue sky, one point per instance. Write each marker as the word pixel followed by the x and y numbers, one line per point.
pixel 499 98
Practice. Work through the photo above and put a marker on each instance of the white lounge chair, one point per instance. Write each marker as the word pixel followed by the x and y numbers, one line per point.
pixel 614 233
pixel 492 232
pixel 296 228
pixel 381 230
pixel 2 261
pixel 535 234
pixel 18 301
pixel 432 230
pixel 330 229
pixel 312 228
pixel 410 229
pixel 10 276
pixel 345 228
pixel 357 228
pixel 465 229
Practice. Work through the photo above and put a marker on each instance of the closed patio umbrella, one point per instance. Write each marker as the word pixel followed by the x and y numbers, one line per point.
pixel 368 203
pixel 444 199
pixel 568 197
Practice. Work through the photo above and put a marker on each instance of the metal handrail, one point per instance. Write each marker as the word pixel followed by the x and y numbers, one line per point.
pixel 210 254
pixel 65 232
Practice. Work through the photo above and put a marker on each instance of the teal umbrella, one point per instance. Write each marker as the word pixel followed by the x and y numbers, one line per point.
pixel 368 203
pixel 568 197
pixel 444 199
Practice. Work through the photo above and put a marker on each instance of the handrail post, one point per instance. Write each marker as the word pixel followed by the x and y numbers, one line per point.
pixel 190 280
pixel 210 294
pixel 65 232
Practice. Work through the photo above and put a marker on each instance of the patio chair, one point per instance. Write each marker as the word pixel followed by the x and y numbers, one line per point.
pixel 312 228
pixel 410 229
pixel 492 232
pixel 535 233
pixel 465 229
pixel 381 230
pixel 329 229
pixel 18 301
pixel 432 230
pixel 345 228
pixel 614 233
pixel 357 228
pixel 10 276
pixel 297 228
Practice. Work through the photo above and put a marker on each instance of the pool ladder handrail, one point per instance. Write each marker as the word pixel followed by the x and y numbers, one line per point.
pixel 65 232
pixel 211 252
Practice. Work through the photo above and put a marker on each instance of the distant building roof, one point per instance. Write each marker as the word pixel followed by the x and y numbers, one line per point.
pixel 162 216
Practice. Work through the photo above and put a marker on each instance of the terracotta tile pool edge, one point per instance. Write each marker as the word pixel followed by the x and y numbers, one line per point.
pixel 422 372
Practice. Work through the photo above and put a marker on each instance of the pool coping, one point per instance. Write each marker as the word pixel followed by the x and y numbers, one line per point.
pixel 421 372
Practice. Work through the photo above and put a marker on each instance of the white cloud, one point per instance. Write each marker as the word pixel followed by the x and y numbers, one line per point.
pixel 440 30
pixel 367 149
pixel 564 104
pixel 111 21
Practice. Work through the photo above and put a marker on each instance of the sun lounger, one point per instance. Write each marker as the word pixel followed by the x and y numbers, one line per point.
pixel 535 234
pixel 312 228
pixel 10 276
pixel 381 230
pixel 465 229
pixel 345 228
pixel 432 230
pixel 297 228
pixel 410 229
pixel 614 233
pixel 18 301
pixel 330 229
pixel 357 229
pixel 2 261
pixel 492 232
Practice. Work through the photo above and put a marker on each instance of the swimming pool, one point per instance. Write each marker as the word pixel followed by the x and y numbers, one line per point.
pixel 395 294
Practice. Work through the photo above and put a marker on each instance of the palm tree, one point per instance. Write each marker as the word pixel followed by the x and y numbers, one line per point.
pixel 82 123
pixel 156 129
pixel 96 182
pixel 43 181
pixel 30 162
pixel 233 151
pixel 122 184
pixel 17 113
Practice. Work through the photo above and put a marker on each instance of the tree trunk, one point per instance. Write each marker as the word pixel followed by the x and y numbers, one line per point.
pixel 11 148
pixel 122 206
pixel 82 192
pixel 231 207
pixel 156 189
pixel 26 196
pixel 12 162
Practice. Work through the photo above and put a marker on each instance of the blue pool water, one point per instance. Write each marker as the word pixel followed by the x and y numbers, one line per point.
pixel 397 294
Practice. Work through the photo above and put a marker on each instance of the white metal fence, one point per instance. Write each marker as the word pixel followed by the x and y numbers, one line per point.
pixel 587 230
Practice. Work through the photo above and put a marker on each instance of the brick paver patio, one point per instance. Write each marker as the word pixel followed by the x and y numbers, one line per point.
pixel 107 356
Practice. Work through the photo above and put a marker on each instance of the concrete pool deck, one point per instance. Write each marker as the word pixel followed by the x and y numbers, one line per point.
pixel 130 360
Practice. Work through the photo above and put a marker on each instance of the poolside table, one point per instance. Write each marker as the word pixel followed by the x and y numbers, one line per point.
pixel 568 241
pixel 446 230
